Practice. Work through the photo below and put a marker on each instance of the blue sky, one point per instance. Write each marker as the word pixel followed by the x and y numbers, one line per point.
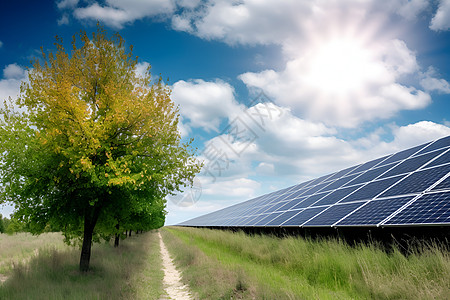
pixel 273 92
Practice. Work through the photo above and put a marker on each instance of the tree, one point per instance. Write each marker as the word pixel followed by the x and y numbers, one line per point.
pixel 92 141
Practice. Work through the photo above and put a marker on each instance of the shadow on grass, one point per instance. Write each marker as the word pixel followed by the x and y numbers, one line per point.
pixel 116 273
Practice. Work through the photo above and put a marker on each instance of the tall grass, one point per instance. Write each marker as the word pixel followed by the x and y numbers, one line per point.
pixel 132 271
pixel 20 247
pixel 298 268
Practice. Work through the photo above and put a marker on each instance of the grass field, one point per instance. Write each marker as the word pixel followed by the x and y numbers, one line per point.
pixel 220 265
pixel 42 267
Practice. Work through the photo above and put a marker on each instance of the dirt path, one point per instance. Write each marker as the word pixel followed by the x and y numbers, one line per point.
pixel 174 288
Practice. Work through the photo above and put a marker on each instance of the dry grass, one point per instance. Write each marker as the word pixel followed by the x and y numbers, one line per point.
pixel 297 268
pixel 132 271
pixel 206 278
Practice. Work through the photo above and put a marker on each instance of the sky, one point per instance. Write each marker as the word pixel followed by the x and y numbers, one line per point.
pixel 273 92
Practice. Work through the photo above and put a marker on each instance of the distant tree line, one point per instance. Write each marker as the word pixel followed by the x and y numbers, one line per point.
pixel 10 226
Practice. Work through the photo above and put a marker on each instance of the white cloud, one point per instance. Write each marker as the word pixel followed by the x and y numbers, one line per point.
pixel 242 188
pixel 441 20
pixel 188 3
pixel 409 9
pixel 13 75
pixel 345 86
pixel 340 68
pixel 64 20
pixel 142 68
pixel 13 71
pixel 204 104
pixel 117 13
pixel 430 82
pixel 65 4
pixel 244 22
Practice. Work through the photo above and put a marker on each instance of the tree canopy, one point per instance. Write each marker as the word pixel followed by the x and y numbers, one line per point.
pixel 90 142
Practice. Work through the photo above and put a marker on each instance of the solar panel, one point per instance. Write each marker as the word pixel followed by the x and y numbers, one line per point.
pixel 428 209
pixel 374 212
pixel 333 214
pixel 407 188
pixel 303 216
pixel 336 196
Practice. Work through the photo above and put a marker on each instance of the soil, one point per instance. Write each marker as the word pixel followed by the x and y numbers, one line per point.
pixel 174 288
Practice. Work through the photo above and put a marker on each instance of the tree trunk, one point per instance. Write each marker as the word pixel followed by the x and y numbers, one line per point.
pixel 116 240
pixel 86 249
pixel 129 234
pixel 90 219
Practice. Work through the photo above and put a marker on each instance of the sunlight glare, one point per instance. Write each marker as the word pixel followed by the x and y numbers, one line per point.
pixel 339 66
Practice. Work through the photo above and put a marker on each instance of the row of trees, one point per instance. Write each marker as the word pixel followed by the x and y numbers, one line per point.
pixel 11 226
pixel 91 148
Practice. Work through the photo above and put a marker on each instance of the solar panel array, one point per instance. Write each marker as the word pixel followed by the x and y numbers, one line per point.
pixel 410 187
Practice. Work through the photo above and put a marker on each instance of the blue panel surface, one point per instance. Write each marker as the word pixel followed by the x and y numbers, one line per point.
pixel 428 209
pixel 339 183
pixel 255 221
pixel 443 185
pixel 274 207
pixel 411 164
pixel 441 143
pixel 417 182
pixel 315 189
pixel 337 195
pixel 402 154
pixel 288 205
pixel 341 173
pixel 303 216
pixel 374 212
pixel 366 166
pixel 372 189
pixel 443 159
pixel 281 218
pixel 333 214
pixel 310 200
pixel 370 175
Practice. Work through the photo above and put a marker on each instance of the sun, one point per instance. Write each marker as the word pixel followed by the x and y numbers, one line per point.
pixel 339 65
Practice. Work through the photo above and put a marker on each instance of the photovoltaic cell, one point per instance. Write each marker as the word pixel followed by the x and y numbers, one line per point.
pixel 281 218
pixel 339 182
pixel 372 189
pixel 315 189
pixel 443 159
pixel 275 207
pixel 336 196
pixel 341 173
pixel 411 187
pixel 367 165
pixel 303 216
pixel 333 214
pixel 411 164
pixel 417 182
pixel 288 205
pixel 445 184
pixel 310 200
pixel 255 221
pixel 444 142
pixel 428 209
pixel 374 212
pixel 402 155
pixel 370 175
